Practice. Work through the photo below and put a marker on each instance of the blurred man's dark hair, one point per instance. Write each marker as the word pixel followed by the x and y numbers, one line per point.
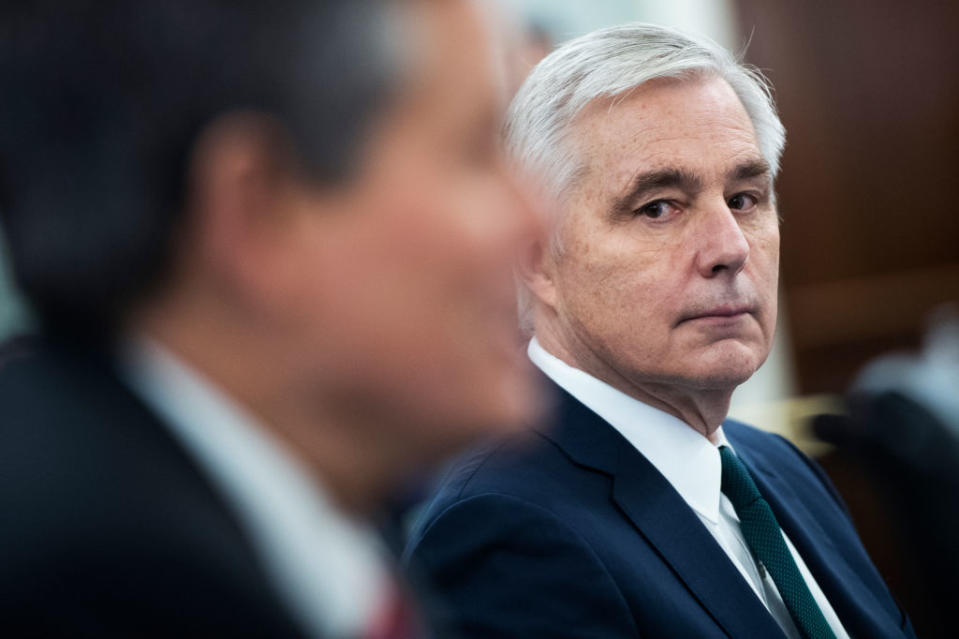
pixel 102 105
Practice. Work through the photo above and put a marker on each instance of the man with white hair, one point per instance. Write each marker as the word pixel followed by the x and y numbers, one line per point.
pixel 641 510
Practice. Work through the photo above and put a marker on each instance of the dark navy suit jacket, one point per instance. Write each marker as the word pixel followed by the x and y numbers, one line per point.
pixel 570 532
pixel 109 528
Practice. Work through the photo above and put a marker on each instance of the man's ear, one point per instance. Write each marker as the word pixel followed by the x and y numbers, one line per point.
pixel 242 205
pixel 537 271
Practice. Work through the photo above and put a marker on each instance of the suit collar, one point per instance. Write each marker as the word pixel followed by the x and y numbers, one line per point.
pixel 328 565
pixel 585 438
pixel 661 516
pixel 658 512
pixel 689 461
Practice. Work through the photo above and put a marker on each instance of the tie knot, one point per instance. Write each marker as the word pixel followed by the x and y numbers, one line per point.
pixel 737 484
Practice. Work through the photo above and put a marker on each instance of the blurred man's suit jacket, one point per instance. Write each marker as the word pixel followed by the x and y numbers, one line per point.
pixel 571 532
pixel 109 527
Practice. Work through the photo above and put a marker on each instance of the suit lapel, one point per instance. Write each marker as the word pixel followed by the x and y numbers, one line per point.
pixel 857 607
pixel 667 523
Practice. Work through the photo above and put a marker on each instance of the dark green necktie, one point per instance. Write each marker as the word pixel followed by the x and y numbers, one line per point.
pixel 765 539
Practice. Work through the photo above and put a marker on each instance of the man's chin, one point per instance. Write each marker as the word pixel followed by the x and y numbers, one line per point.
pixel 720 380
pixel 726 366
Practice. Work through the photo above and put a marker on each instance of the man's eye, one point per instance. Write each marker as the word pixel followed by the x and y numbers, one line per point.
pixel 741 202
pixel 655 210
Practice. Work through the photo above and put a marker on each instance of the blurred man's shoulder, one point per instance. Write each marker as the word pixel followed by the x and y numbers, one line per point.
pixel 502 464
pixel 772 446
pixel 84 460
pixel 71 403
pixel 97 493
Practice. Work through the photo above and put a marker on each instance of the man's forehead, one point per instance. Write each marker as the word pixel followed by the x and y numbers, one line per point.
pixel 696 127
pixel 636 173
pixel 643 102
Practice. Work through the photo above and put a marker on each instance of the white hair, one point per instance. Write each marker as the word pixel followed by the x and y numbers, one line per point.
pixel 609 63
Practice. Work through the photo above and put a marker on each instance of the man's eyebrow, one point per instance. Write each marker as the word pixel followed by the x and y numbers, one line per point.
pixel 654 180
pixel 751 169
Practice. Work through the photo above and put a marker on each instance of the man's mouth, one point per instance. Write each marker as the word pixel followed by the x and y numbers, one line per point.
pixel 720 313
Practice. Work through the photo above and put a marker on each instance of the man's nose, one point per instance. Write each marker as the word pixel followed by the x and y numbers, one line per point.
pixel 723 248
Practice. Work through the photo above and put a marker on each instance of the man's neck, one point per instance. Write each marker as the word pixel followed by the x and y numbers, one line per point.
pixel 703 410
pixel 356 471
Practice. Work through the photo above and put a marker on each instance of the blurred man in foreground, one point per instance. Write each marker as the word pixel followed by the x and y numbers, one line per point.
pixel 269 247
pixel 642 511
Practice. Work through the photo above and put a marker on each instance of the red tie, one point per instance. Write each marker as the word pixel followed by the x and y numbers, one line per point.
pixel 397 618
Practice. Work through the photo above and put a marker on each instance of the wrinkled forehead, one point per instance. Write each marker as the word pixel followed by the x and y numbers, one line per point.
pixel 695 124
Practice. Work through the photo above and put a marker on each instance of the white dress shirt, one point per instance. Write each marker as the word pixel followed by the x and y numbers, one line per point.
pixel 691 464
pixel 328 568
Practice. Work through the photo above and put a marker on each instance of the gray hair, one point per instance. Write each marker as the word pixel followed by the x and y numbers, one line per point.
pixel 609 63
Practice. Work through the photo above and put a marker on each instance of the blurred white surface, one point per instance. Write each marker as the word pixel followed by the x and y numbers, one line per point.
pixel 570 18
pixel 930 377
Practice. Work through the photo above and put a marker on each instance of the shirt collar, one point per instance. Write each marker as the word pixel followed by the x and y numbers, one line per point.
pixel 328 566
pixel 689 461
